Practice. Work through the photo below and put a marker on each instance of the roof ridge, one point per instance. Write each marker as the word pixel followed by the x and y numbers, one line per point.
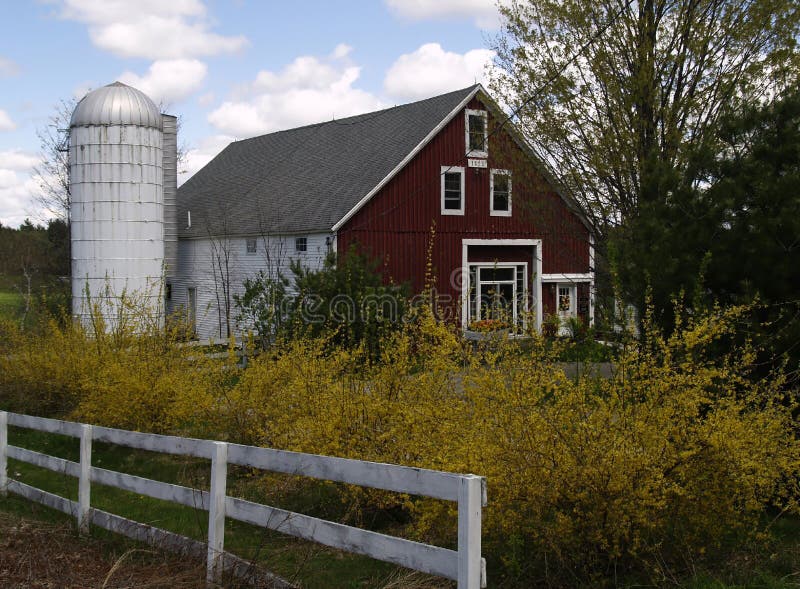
pixel 315 174
pixel 366 115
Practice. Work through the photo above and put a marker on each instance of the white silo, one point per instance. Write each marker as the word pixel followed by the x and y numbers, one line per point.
pixel 117 202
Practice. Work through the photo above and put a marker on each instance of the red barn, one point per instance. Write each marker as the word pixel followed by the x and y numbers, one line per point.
pixel 446 180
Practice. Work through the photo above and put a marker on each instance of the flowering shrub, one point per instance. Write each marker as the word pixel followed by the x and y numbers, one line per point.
pixel 680 452
pixel 677 453
pixel 135 376
pixel 488 325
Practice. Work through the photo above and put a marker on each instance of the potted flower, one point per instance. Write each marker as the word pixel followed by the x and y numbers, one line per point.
pixel 486 328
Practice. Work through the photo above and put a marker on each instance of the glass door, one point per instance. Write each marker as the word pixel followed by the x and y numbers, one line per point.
pixel 497 296
pixel 497 293
pixel 566 302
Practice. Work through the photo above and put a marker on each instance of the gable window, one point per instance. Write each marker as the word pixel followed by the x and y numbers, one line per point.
pixel 251 245
pixel 452 190
pixel 476 128
pixel 300 244
pixel 500 193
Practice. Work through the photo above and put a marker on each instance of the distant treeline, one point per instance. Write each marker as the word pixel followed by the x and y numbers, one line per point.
pixel 36 250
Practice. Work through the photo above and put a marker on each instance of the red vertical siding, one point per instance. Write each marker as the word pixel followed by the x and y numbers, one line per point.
pixel 398 224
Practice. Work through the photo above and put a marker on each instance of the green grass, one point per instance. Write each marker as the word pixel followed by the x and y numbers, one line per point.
pixel 10 304
pixel 311 564
pixel 769 565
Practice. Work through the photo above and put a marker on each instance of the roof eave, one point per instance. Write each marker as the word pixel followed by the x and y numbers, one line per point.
pixel 522 143
pixel 435 131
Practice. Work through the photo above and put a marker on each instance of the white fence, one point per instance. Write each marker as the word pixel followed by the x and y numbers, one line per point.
pixel 463 565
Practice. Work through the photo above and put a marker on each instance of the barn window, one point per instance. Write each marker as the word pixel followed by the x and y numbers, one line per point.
pixel 300 244
pixel 500 198
pixel 251 245
pixel 452 190
pixel 476 133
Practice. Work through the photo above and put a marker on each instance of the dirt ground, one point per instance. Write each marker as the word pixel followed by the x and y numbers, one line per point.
pixel 52 556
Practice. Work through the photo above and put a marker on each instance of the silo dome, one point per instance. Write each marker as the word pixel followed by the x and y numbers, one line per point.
pixel 116 104
pixel 117 204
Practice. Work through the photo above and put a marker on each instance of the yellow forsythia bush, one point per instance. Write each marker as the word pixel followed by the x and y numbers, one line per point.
pixel 130 378
pixel 676 455
pixel 40 372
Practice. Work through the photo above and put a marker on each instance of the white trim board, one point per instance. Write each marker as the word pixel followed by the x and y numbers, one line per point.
pixel 585 277
pixel 536 271
pixel 591 283
pixel 462 190
pixel 477 153
pixel 499 172
pixel 412 154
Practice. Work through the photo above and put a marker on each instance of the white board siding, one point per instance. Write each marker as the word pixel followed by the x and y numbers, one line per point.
pixel 196 270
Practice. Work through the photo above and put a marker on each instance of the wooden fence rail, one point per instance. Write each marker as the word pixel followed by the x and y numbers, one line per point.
pixel 464 565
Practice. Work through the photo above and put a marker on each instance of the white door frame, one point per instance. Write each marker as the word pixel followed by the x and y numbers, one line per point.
pixel 572 312
pixel 536 268
pixel 515 299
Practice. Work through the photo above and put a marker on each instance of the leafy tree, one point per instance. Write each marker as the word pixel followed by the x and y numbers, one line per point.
pixel 756 197
pixel 59 247
pixel 735 236
pixel 347 300
pixel 263 306
pixel 52 173
pixel 615 95
pixel 619 98
pixel 33 261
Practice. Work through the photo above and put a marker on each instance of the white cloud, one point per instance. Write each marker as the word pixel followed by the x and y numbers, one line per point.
pixel 308 90
pixel 16 199
pixel 18 160
pixel 483 12
pixel 169 80
pixel 7 67
pixel 152 29
pixel 6 124
pixel 431 70
pixel 198 157
pixel 17 187
pixel 83 89
pixel 206 99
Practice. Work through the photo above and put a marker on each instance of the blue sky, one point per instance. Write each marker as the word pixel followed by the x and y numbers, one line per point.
pixel 230 69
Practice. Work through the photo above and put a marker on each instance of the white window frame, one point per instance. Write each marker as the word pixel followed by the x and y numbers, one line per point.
pixel 453 170
pixel 492 211
pixel 485 116
pixel 297 243
pixel 247 243
pixel 572 312
pixel 535 272
pixel 519 315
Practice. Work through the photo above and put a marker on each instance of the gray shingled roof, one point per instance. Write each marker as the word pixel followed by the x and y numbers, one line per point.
pixel 308 178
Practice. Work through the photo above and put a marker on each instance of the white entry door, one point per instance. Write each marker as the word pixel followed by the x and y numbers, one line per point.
pixel 567 306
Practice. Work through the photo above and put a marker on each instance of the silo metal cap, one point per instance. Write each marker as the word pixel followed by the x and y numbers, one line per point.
pixel 116 104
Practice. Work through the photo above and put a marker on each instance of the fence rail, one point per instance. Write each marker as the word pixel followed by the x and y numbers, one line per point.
pixel 464 565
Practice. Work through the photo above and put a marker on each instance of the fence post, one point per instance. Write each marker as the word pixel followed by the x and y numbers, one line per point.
pixel 84 479
pixel 469 532
pixel 3 453
pixel 216 513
